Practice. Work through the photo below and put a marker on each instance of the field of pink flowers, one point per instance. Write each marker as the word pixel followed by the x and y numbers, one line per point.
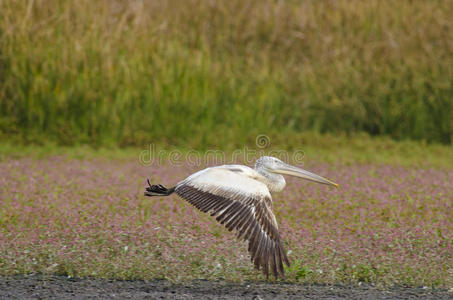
pixel 386 225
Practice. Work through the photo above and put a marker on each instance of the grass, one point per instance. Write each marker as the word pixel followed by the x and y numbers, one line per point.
pixel 81 213
pixel 125 73
pixel 327 148
pixel 80 78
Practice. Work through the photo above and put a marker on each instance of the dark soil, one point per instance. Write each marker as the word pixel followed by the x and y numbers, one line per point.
pixel 59 287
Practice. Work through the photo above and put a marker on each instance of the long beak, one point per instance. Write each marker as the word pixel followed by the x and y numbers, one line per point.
pixel 298 172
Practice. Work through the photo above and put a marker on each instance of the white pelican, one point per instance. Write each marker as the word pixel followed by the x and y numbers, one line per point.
pixel 240 198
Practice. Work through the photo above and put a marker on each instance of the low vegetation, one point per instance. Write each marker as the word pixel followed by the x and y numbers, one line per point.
pixel 388 224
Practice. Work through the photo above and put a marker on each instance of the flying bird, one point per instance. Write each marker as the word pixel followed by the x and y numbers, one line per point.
pixel 240 199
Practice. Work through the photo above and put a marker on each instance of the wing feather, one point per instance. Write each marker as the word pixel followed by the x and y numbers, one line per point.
pixel 243 204
pixel 238 220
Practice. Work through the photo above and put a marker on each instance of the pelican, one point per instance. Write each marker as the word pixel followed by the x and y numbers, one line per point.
pixel 240 199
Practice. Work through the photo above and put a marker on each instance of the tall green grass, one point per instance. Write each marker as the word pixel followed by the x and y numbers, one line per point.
pixel 205 73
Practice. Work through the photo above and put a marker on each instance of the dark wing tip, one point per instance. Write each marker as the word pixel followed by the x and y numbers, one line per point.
pixel 257 225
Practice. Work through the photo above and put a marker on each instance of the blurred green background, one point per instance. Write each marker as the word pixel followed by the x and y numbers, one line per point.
pixel 217 73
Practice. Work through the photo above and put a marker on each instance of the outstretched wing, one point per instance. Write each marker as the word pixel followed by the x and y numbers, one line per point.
pixel 242 204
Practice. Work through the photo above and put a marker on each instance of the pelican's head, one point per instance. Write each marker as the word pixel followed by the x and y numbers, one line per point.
pixel 275 165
